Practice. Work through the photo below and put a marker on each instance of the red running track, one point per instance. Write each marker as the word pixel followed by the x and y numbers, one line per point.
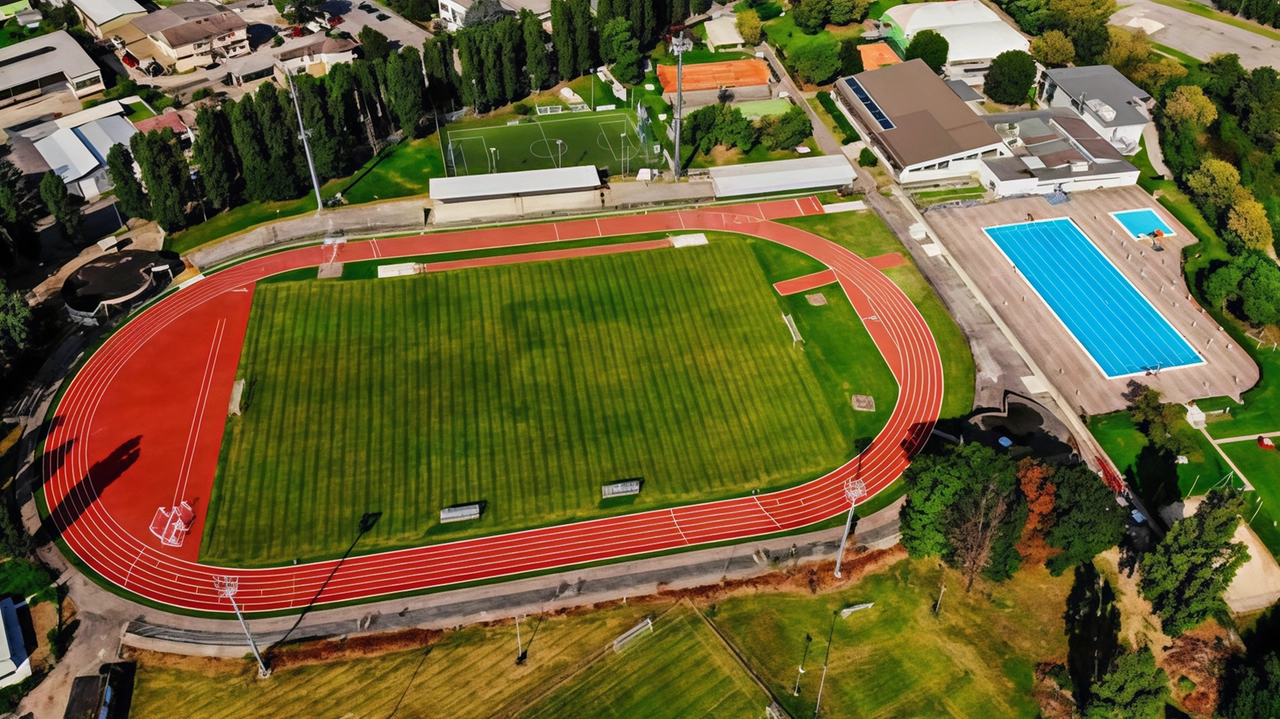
pixel 141 424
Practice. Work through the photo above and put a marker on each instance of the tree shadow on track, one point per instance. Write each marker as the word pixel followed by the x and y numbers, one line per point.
pixel 88 489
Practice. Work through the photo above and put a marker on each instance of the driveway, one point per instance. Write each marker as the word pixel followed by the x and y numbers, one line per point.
pixel 399 31
pixel 1197 36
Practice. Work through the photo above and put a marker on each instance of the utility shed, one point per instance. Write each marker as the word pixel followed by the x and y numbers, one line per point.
pixel 805 173
pixel 515 194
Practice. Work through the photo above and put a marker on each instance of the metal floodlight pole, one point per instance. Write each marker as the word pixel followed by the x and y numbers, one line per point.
pixel 679 45
pixel 227 587
pixel 303 133
pixel 854 490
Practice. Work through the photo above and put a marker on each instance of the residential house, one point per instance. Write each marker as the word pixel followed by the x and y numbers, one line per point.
pixel 454 12
pixel 195 34
pixel 105 19
pixel 313 55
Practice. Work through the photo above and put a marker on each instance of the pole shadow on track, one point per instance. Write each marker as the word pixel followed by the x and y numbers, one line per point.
pixel 33 475
pixel 89 488
pixel 367 523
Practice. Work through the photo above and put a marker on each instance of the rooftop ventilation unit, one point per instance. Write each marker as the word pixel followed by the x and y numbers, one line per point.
pixel 1102 109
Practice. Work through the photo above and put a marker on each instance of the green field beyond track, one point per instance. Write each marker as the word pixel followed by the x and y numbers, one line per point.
pixel 527 387
pixel 605 139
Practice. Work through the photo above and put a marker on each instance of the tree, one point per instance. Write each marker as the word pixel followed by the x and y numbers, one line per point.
pixel 131 199
pixel 1157 420
pixel 749 27
pixel 1260 289
pixel 1010 78
pixel 930 46
pixel 165 172
pixel 405 89
pixel 1247 220
pixel 246 131
pixel 867 158
pixel 537 59
pixel 561 38
pixel 811 15
pixel 584 55
pixel 280 135
pixel 15 323
pixel 1225 74
pixel 1214 185
pixel 329 150
pixel 483 12
pixel 714 125
pixel 376 46
pixel 19 209
pixel 815 62
pixel 787 130
pixel 612 36
pixel 1188 105
pixel 1256 694
pixel 1125 48
pixel 1135 689
pixel 1093 632
pixel 59 203
pixel 1053 49
pixel 628 67
pixel 850 57
pixel 1035 480
pixel 1152 76
pixel 1090 40
pixel 1223 284
pixel 1087 519
pixel 1185 576
pixel 844 12
pixel 214 154
pixel 956 503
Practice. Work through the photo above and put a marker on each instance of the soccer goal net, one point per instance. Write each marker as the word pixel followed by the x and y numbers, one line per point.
pixel 171 524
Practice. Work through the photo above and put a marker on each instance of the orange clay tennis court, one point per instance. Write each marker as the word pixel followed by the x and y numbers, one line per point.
pixel 715 75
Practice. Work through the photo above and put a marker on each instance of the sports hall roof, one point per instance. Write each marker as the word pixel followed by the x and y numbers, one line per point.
pixel 513 184
pixel 805 173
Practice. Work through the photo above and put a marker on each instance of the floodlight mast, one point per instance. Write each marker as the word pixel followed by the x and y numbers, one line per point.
pixel 679 46
pixel 227 588
pixel 303 133
pixel 854 489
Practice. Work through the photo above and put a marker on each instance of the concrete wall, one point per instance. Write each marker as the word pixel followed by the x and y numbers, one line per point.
pixel 1032 186
pixel 693 99
pixel 509 207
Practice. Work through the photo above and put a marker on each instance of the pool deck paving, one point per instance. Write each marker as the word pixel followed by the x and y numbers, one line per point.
pixel 1227 369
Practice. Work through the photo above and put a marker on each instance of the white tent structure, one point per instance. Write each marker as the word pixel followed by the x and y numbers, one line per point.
pixel 975 33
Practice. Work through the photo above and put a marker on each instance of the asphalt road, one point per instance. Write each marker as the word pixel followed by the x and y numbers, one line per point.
pixel 1197 36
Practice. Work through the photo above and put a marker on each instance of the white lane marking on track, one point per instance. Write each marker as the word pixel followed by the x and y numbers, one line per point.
pixel 677 523
pixel 766 512
pixel 197 420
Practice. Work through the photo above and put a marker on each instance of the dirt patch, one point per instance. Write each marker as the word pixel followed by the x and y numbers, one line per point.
pixel 1054 702
pixel 1138 624
pixel 1200 655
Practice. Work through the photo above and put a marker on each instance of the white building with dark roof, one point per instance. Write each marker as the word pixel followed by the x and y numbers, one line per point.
pixel 1112 105
pixel 46 64
pixel 1052 150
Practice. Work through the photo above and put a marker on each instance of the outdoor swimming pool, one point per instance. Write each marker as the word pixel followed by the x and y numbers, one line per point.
pixel 1142 222
pixel 1116 325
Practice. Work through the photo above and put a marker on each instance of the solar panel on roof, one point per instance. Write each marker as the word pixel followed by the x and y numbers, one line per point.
pixel 876 113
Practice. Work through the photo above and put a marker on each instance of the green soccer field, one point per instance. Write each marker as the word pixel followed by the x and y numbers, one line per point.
pixel 602 139
pixel 526 387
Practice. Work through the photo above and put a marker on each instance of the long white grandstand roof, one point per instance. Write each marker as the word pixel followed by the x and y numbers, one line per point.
pixel 512 184
pixel 805 173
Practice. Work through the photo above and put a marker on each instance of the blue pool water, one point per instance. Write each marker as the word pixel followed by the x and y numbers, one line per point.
pixel 1142 222
pixel 1116 325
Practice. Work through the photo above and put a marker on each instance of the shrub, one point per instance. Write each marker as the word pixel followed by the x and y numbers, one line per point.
pixel 786 130
pixel 867 158
pixel 842 123
pixel 522 108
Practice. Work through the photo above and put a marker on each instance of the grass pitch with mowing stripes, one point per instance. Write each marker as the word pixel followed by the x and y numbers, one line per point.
pixel 525 387
pixel 604 139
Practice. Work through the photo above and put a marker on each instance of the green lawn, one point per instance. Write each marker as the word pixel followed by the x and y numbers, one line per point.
pixel 1124 444
pixel 609 139
pixel 139 112
pixel 1262 468
pixel 755 109
pixel 683 669
pixel 897 659
pixel 403 170
pixel 12 33
pixel 671 365
pixel 782 32
pixel 866 234
pixel 465 674
pixel 721 156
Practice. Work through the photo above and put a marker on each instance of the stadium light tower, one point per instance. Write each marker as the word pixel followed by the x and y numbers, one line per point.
pixel 679 46
pixel 227 588
pixel 304 133
pixel 854 490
